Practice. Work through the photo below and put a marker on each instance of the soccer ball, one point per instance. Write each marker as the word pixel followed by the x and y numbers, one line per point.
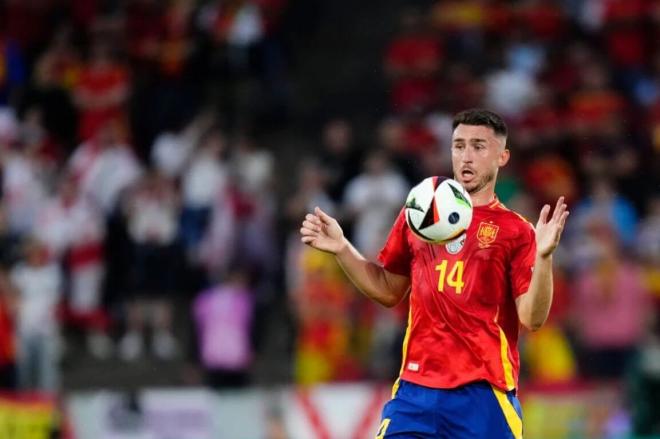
pixel 438 210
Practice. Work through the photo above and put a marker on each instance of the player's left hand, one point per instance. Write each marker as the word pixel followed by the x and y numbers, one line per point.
pixel 549 231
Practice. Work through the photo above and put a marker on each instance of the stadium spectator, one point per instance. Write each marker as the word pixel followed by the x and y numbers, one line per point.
pixel 8 309
pixel 205 180
pixel 73 230
pixel 339 155
pixel 602 201
pixel 102 92
pixel 392 139
pixel 38 282
pixel 610 289
pixel 105 166
pixel 14 73
pixel 372 200
pixel 252 192
pixel 411 63
pixel 173 146
pixel 152 211
pixel 24 180
pixel 311 190
pixel 322 304
pixel 223 317
pixel 10 242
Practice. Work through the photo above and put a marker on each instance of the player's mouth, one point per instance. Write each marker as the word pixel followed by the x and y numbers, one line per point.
pixel 467 175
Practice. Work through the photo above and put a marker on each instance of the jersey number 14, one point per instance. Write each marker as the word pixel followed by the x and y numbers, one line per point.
pixel 453 279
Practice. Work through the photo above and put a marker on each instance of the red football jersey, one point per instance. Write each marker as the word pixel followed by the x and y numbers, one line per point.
pixel 463 324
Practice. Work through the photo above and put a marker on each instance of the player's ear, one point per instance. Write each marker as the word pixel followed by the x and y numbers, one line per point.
pixel 503 157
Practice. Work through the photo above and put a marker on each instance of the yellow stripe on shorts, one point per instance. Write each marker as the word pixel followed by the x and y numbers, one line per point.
pixel 510 414
pixel 383 428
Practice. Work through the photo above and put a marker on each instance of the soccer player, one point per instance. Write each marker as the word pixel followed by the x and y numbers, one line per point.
pixel 467 298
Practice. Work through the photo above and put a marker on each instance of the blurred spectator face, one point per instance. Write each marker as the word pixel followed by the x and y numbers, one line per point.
pixel 214 144
pixel 32 129
pixel 391 134
pixel 602 233
pixel 100 55
pixel 337 136
pixel 61 42
pixel 477 154
pixel 312 176
pixel 595 77
pixel 602 190
pixel 376 164
pixel 68 191
pixel 238 275
pixel 36 253
pixel 109 134
pixel 433 163
pixel 8 127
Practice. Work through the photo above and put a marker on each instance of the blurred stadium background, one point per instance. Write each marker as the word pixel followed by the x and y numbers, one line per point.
pixel 158 156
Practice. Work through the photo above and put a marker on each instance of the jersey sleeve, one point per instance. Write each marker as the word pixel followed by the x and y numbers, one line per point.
pixel 522 260
pixel 396 256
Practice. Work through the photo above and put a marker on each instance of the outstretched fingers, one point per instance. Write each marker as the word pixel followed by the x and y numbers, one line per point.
pixel 308 232
pixel 543 216
pixel 311 225
pixel 560 208
pixel 324 217
pixel 313 218
pixel 312 228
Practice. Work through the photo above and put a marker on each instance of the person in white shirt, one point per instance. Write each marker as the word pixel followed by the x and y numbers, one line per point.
pixel 203 182
pixel 152 211
pixel 173 147
pixel 23 188
pixel 105 166
pixel 73 229
pixel 372 200
pixel 38 282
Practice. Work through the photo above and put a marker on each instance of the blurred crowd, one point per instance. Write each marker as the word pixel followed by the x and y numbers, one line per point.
pixel 138 186
pixel 134 191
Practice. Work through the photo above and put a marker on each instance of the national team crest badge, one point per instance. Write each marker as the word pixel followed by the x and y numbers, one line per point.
pixel 486 234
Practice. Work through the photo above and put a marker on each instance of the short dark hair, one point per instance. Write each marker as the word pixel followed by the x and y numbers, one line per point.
pixel 481 117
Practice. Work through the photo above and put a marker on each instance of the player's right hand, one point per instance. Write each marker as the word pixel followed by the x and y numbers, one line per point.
pixel 322 232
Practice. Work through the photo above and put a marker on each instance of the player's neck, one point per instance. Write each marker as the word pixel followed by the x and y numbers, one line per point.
pixel 483 197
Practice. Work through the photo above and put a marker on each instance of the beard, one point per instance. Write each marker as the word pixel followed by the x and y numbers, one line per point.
pixel 475 186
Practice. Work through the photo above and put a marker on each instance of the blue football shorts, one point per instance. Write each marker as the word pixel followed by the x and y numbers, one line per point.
pixel 473 411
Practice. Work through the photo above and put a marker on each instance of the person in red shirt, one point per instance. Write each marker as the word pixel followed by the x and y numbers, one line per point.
pixel 468 298
pixel 102 91
pixel 8 308
pixel 412 62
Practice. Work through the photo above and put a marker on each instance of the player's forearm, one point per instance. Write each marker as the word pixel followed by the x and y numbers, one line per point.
pixel 370 278
pixel 536 303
